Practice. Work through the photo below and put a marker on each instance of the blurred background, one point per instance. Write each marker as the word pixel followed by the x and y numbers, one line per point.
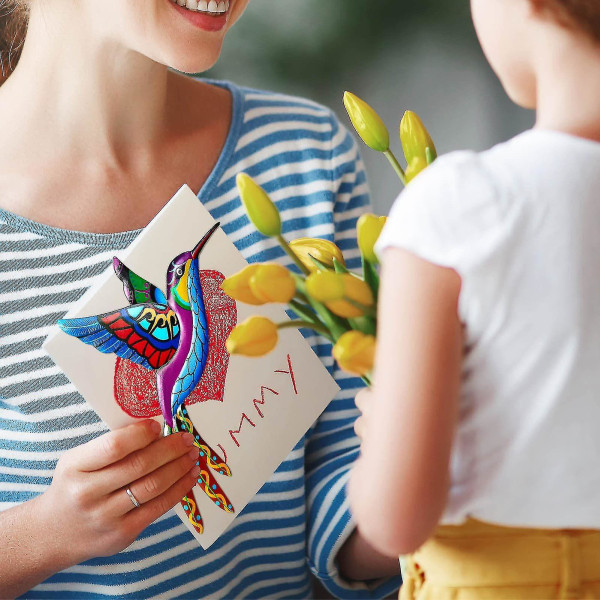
pixel 395 54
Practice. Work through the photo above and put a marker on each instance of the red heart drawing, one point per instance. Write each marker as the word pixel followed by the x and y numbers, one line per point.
pixel 135 387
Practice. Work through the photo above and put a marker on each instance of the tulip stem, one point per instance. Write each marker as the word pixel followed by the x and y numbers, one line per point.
pixel 288 250
pixel 396 165
pixel 367 380
pixel 318 327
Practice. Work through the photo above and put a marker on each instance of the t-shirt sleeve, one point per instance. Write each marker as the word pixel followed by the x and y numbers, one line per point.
pixel 451 215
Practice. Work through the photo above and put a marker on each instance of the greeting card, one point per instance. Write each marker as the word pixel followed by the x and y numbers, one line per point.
pixel 148 341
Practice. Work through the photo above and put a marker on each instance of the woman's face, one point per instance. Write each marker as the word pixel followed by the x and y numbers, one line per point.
pixel 186 39
pixel 504 31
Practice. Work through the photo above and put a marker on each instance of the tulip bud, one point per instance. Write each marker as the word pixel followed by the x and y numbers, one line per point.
pixel 357 290
pixel 367 123
pixel 272 283
pixel 416 166
pixel 256 336
pixel 260 208
pixel 335 289
pixel 368 230
pixel 415 139
pixel 325 286
pixel 238 286
pixel 355 352
pixel 323 250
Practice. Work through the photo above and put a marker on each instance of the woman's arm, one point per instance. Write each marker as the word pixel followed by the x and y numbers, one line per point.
pixel 86 511
pixel 398 488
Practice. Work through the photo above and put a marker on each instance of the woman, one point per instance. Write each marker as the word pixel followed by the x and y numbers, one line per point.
pixel 97 134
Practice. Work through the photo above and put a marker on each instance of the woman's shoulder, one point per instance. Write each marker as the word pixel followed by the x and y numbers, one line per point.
pixel 255 98
pixel 283 115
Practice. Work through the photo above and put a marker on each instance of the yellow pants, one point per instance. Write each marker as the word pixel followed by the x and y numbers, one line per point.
pixel 478 561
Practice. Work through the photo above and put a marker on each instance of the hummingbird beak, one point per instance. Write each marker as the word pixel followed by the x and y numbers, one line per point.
pixel 202 242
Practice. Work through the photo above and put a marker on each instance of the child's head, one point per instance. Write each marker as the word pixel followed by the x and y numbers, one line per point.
pixel 513 33
pixel 157 29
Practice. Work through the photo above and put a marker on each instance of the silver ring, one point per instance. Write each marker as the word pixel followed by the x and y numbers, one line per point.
pixel 133 498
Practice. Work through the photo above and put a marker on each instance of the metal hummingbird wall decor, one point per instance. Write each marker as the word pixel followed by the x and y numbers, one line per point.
pixel 168 334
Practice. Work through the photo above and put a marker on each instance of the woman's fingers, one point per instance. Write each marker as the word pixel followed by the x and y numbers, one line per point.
pixel 115 445
pixel 154 484
pixel 145 461
pixel 138 519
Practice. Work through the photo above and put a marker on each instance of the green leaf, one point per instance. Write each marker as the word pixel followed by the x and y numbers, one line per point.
pixel 320 265
pixel 430 155
pixel 371 277
pixel 304 311
pixel 367 325
pixel 339 267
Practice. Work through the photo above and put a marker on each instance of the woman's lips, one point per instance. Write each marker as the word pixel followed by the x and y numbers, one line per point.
pixel 208 21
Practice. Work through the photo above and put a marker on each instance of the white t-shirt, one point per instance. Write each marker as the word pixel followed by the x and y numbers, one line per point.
pixel 520 223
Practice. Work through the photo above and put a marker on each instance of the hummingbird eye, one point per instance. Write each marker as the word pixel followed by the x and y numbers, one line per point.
pixel 179 271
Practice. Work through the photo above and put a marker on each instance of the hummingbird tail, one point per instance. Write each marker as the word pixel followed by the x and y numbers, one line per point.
pixel 207 457
pixel 190 508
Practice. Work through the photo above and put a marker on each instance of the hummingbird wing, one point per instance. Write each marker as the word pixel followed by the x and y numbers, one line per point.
pixel 146 334
pixel 137 289
pixel 192 370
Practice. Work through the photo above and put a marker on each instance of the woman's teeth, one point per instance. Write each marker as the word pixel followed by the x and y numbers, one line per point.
pixel 211 7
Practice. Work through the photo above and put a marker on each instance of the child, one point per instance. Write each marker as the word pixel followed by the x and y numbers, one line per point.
pixel 485 409
pixel 97 134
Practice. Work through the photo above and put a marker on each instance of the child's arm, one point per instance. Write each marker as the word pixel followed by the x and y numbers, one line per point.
pixel 398 487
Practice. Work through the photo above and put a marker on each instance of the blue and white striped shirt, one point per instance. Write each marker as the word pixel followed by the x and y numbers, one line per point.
pixel 297 522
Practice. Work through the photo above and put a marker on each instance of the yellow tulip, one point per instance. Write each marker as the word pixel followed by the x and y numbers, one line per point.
pixel 335 289
pixel 260 208
pixel 256 336
pixel 416 166
pixel 415 138
pixel 367 123
pixel 355 352
pixel 272 283
pixel 368 230
pixel 357 290
pixel 323 250
pixel 238 286
pixel 325 286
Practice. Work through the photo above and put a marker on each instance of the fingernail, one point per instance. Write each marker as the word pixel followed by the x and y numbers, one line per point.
pixel 193 453
pixel 156 427
pixel 195 472
pixel 188 439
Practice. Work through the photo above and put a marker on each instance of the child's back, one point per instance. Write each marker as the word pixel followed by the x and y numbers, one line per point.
pixel 519 223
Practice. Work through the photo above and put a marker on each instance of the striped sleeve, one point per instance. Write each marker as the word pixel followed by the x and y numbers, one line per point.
pixel 332 446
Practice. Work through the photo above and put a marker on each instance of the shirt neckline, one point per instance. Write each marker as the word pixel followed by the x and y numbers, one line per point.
pixel 124 238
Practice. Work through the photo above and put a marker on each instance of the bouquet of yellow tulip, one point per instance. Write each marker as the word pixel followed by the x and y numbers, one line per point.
pixel 324 294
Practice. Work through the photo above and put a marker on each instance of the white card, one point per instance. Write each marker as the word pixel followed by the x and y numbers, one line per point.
pixel 266 406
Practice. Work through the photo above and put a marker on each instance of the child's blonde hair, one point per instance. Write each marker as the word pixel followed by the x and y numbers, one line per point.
pixel 576 14
pixel 13 27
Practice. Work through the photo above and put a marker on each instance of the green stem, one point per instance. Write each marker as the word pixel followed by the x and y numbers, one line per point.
pixel 367 380
pixel 292 255
pixel 318 327
pixel 396 165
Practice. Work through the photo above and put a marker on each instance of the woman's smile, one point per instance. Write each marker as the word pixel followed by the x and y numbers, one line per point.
pixel 209 15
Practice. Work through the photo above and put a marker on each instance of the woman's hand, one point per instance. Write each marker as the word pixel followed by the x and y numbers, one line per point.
pixel 88 508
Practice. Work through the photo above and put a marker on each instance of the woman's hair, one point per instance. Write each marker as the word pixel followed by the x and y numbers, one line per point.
pixel 575 14
pixel 13 27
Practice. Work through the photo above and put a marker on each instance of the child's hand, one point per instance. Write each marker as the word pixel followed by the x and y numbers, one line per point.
pixel 364 402
pixel 87 510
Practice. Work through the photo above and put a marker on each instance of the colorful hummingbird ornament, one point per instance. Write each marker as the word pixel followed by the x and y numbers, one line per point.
pixel 170 335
